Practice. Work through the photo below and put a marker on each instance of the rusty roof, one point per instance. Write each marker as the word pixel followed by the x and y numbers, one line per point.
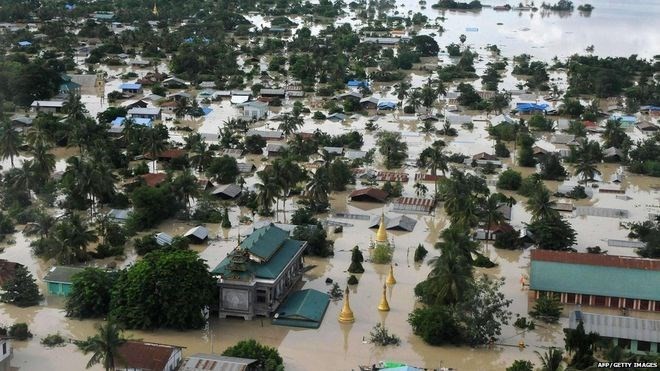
pixel 145 356
pixel 414 201
pixel 375 193
pixel 595 259
pixel 154 179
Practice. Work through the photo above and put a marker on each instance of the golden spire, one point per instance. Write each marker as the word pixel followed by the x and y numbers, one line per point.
pixel 381 235
pixel 384 306
pixel 390 277
pixel 346 315
pixel 155 10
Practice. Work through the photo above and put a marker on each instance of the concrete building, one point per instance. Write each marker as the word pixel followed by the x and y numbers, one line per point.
pixel 637 335
pixel 256 277
pixel 47 106
pixel 596 280
pixel 5 353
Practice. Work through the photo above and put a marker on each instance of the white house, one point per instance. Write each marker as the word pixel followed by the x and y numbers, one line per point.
pixel 5 353
pixel 255 110
pixel 47 106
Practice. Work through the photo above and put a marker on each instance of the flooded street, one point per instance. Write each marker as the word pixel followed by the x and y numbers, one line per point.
pixel 336 346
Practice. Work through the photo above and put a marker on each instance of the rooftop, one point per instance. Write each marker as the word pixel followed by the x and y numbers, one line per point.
pixel 617 327
pixel 214 362
pixel 304 308
pixel 145 356
pixel 265 241
pixel 61 274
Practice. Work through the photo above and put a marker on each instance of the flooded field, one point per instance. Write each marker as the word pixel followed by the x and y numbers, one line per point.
pixel 336 346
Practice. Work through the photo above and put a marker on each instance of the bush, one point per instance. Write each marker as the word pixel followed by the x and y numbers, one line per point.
pixel 352 280
pixel 522 323
pixel 356 261
pixel 21 289
pixel 316 237
pixel 483 262
pixel 547 308
pixel 508 240
pixel 435 325
pixel 420 253
pixel 521 365
pixel 269 358
pixel 501 150
pixel 318 115
pixel 381 254
pixel 509 180
pixel 379 335
pixel 531 185
pixel 20 331
pixel 53 340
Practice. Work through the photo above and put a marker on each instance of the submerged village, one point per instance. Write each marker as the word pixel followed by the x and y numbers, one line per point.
pixel 329 185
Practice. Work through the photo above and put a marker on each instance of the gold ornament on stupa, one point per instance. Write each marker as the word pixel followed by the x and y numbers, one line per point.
pixel 390 277
pixel 155 9
pixel 346 315
pixel 384 306
pixel 381 235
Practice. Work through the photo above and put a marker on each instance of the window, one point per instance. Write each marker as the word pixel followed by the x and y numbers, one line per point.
pixel 584 299
pixel 4 348
pixel 628 303
pixel 614 302
pixel 570 298
pixel 261 296
pixel 644 305
pixel 600 301
pixel 643 346
pixel 623 343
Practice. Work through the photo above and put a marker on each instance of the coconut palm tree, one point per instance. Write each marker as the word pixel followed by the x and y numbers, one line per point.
pixel 43 161
pixel 181 108
pixel 21 180
pixel 102 182
pixel 104 346
pixel 10 142
pixel 420 189
pixel 154 143
pixel 74 108
pixel 317 189
pixel 290 124
pixel 185 187
pixel 79 235
pixel 428 95
pixel 415 99
pixel 434 158
pixel 267 192
pixel 540 205
pixel 587 169
pixel 551 360
pixel 450 276
pixel 401 90
pixel 288 174
pixel 491 213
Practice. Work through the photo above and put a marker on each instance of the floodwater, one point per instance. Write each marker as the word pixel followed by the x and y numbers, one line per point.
pixel 336 346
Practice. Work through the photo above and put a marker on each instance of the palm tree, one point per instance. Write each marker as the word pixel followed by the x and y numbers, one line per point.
pixel 290 124
pixel 267 192
pixel 434 158
pixel 317 189
pixel 587 169
pixel 614 135
pixel 154 143
pixel 181 108
pixel 420 189
pixel 490 209
pixel 288 174
pixel 551 360
pixel 10 142
pixel 428 95
pixel 450 276
pixel 104 346
pixel 21 179
pixel 402 90
pixel 201 155
pixel 540 205
pixel 102 182
pixel 74 108
pixel 79 235
pixel 462 38
pixel 39 133
pixel 415 99
pixel 44 161
pixel 185 187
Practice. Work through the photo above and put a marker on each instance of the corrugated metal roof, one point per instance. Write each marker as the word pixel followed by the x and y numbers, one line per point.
pixel 304 308
pixel 588 279
pixel 265 241
pixel 617 327
pixel 199 232
pixel 163 239
pixel 214 362
pixel 61 274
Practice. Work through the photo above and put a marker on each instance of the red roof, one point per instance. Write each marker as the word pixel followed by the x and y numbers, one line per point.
pixel 154 179
pixel 392 176
pixel 589 124
pixel 145 356
pixel 374 193
pixel 484 156
pixel 428 177
pixel 595 259
pixel 423 202
pixel 7 270
pixel 502 227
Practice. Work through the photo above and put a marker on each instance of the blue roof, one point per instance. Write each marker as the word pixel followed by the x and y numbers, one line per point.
pixel 594 280
pixel 24 43
pixel 119 121
pixel 357 83
pixel 130 86
pixel 528 107
pixel 304 308
pixel 386 105
pixel 206 110
pixel 626 119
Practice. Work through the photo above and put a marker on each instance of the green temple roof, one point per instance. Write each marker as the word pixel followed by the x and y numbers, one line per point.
pixel 304 308
pixel 265 241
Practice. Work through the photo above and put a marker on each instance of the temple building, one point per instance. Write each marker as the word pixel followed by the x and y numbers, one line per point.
pixel 256 277
pixel 381 236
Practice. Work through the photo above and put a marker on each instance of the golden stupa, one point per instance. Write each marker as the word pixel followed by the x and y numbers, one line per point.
pixel 390 277
pixel 155 9
pixel 346 315
pixel 384 306
pixel 381 235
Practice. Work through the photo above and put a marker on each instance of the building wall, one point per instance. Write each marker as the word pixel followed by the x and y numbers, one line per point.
pixel 59 289
pixel 603 301
pixel 5 354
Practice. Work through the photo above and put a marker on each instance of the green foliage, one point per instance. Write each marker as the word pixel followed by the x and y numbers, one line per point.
pixel 339 175
pixel 582 345
pixel 6 225
pixel 483 262
pixel 144 294
pixel 90 294
pixel 223 169
pixel 540 122
pixel 525 152
pixel 504 131
pixel 21 289
pixel 644 157
pixel 393 190
pixel 352 280
pixel 535 72
pixel 392 148
pixel 420 253
pixel 532 184
pixel 269 358
pixel 381 336
pixel 303 216
pixel 501 150
pixel 356 261
pixel 53 340
pixel 452 4
pixel 254 144
pixel 469 96
pixel 335 292
pixel 521 365
pixel 648 232
pixel 317 239
pixel 553 233
pixel 547 308
pixel 551 167
pixel 151 205
pixel 454 50
pixel 508 240
pixel 104 345
pixel 19 331
pixel 604 77
pixel 510 180
pixel 425 45
pixel 522 323
pixel 381 254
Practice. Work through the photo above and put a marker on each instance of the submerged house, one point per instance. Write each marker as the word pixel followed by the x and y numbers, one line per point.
pixel 140 356
pixel 637 335
pixel 214 362
pixel 256 277
pixel 59 280
pixel 577 278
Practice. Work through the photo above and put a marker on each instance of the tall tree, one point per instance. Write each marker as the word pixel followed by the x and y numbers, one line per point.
pixel 290 124
pixel 540 205
pixel 154 143
pixel 10 142
pixel 393 148
pixel 104 346
pixel 21 289
pixel 317 190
